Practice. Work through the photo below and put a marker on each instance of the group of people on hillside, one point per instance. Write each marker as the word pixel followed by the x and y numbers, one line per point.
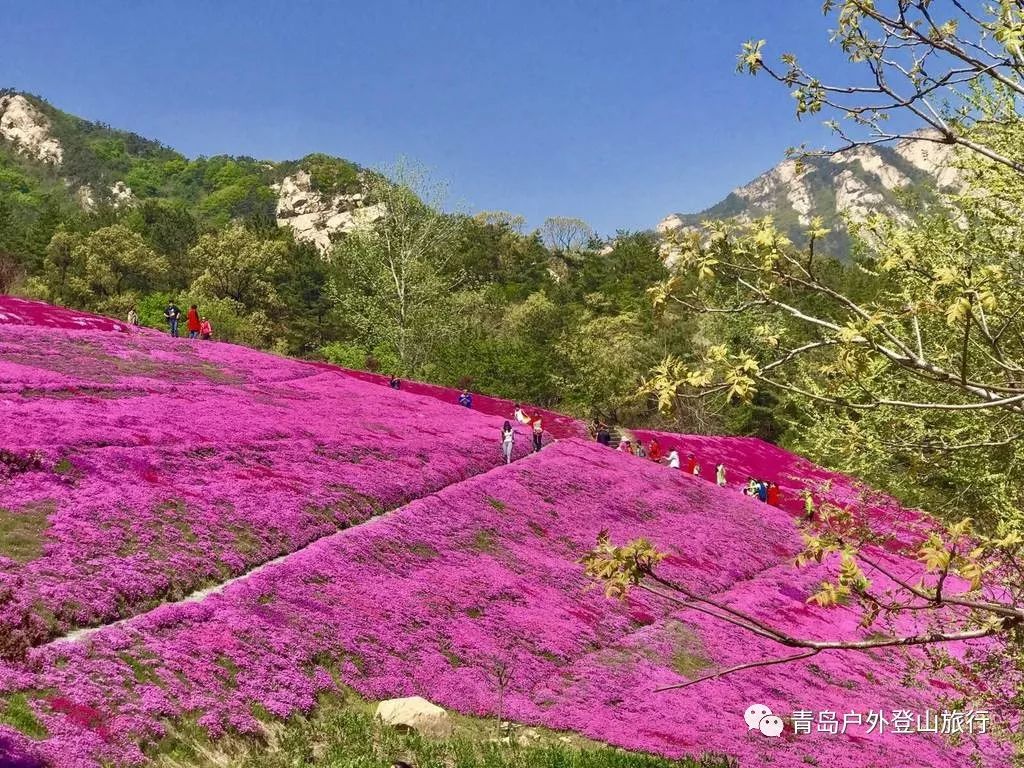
pixel 767 492
pixel 508 432
pixel 196 326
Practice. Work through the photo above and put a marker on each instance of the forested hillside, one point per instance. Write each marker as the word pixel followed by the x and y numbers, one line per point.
pixel 104 220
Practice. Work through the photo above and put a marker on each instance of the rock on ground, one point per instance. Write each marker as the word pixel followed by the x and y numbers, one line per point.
pixel 416 713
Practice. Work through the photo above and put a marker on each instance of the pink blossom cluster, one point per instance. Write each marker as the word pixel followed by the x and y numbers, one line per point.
pixel 167 465
pixel 18 311
pixel 746 457
pixel 431 599
pixel 171 464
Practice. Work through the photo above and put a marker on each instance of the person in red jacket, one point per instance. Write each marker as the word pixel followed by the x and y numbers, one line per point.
pixel 654 452
pixel 205 329
pixel 691 465
pixel 773 494
pixel 193 323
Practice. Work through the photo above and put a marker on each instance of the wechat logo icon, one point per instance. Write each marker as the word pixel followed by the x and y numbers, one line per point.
pixel 759 717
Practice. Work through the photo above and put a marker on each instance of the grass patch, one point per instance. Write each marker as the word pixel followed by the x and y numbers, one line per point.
pixel 17 713
pixel 425 551
pixel 247 543
pixel 454 660
pixel 142 672
pixel 498 504
pixel 343 733
pixel 688 655
pixel 538 530
pixel 484 542
pixel 65 468
pixel 23 532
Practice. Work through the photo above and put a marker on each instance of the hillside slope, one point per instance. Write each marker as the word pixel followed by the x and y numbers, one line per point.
pixel 139 468
pixel 52 161
pixel 165 466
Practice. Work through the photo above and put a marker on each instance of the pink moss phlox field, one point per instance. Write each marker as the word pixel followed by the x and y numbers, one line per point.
pixel 430 599
pixel 556 424
pixel 168 464
pixel 17 311
pixel 750 457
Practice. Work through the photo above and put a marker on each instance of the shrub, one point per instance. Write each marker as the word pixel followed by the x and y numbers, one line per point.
pixel 344 354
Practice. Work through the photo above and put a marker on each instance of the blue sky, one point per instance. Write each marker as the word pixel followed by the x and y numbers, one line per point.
pixel 615 111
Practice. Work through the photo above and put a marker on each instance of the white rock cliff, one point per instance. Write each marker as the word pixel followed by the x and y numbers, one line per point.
pixel 25 126
pixel 315 217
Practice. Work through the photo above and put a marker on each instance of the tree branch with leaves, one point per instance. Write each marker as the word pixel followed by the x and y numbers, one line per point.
pixel 965 589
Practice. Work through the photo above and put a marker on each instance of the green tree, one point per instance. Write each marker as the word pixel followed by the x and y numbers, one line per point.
pixel 10 271
pixel 118 262
pixel 607 357
pixel 391 282
pixel 492 251
pixel 62 279
pixel 308 312
pixel 170 230
pixel 622 272
pixel 918 363
pixel 236 264
pixel 507 348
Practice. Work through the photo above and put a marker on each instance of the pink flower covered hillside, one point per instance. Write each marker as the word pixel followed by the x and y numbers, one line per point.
pixel 430 599
pixel 139 468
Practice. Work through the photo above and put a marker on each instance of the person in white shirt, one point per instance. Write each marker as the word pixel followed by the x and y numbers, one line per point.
pixel 508 438
pixel 673 459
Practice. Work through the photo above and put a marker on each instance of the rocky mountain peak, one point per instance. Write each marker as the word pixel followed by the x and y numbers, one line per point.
pixel 848 185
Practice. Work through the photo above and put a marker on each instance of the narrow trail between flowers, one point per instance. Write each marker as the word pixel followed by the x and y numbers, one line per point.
pixel 83 633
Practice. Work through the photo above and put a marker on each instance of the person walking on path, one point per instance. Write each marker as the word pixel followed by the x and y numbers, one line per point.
pixel 604 437
pixel 466 400
pixel 205 330
pixel 773 495
pixel 133 318
pixel 520 415
pixel 762 490
pixel 673 459
pixel 538 436
pixel 171 315
pixel 692 467
pixel 720 474
pixel 751 489
pixel 192 322
pixel 654 450
pixel 508 439
pixel 394 383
